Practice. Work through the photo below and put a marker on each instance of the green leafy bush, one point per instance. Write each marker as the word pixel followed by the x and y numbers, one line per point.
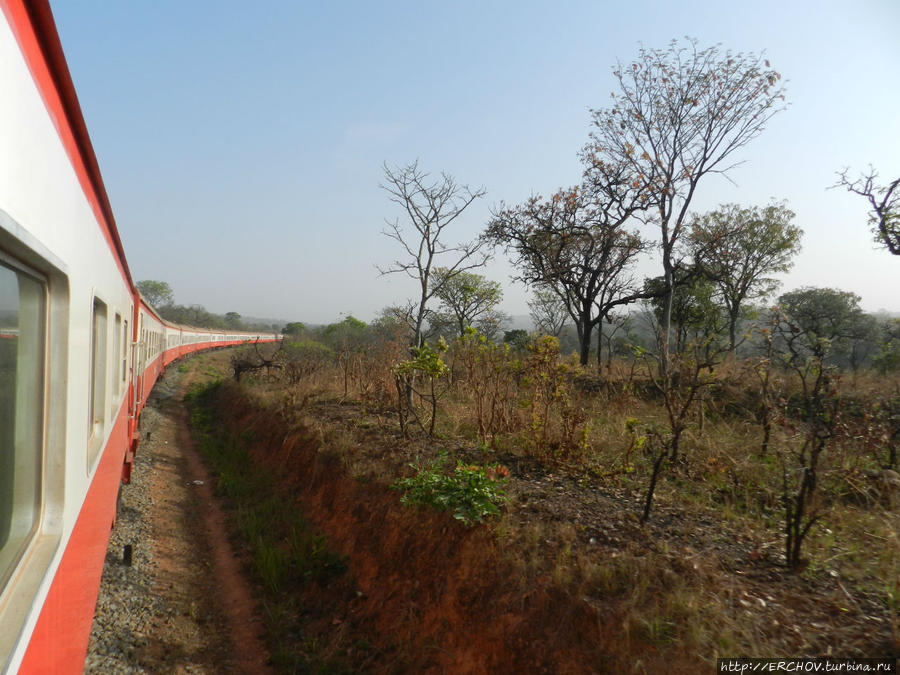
pixel 427 364
pixel 304 358
pixel 471 492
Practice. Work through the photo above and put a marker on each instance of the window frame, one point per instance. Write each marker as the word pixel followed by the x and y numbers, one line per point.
pixel 117 356
pixel 19 268
pixel 98 373
pixel 22 250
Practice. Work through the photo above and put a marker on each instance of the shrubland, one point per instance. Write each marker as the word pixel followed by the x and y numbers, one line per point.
pixel 773 528
pixel 722 484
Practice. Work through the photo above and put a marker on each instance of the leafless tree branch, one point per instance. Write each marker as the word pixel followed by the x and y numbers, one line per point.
pixel 884 203
pixel 431 205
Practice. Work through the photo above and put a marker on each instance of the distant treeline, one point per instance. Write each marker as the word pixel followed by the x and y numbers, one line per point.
pixel 161 297
pixel 856 340
pixel 197 315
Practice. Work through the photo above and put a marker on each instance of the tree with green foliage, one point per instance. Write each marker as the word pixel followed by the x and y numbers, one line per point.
pixel 815 319
pixel 517 339
pixel 465 296
pixel 348 339
pixel 426 364
pixel 862 344
pixel 887 360
pixel 430 207
pixel 156 293
pixel 694 311
pixel 233 320
pixel 680 115
pixel 738 248
pixel 294 329
pixel 193 315
pixel 303 357
pixel 807 326
pixel 348 331
pixel 395 322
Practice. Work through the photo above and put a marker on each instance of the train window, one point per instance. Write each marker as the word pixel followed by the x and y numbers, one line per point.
pixel 22 334
pixel 98 374
pixel 117 383
pixel 125 351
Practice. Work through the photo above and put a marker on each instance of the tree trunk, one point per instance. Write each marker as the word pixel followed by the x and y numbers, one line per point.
pixel 585 350
pixel 666 327
pixel 648 500
pixel 585 330
pixel 584 335
pixel 732 330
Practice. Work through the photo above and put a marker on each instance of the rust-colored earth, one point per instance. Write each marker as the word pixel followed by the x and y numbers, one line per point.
pixel 428 593
pixel 423 593
pixel 213 624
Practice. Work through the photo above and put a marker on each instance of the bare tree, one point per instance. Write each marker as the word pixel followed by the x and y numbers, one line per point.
pixel 250 362
pixel 548 312
pixel 885 204
pixel 615 323
pixel 679 115
pixel 430 206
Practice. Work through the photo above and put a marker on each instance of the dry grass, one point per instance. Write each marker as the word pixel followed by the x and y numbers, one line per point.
pixel 705 577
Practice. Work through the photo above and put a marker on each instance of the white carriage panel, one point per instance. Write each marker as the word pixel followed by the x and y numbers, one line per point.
pixel 173 337
pixel 40 190
pixel 41 193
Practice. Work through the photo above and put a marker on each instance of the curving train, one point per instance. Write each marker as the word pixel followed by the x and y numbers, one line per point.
pixel 79 353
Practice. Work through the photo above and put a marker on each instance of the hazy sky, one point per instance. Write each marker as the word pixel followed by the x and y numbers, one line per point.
pixel 242 143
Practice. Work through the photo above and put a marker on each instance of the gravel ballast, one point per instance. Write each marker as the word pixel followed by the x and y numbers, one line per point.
pixel 126 605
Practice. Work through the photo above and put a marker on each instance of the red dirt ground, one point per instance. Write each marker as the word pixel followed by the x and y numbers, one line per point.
pixel 449 603
pixel 214 624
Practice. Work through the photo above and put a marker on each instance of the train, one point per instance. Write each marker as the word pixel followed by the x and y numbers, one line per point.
pixel 80 350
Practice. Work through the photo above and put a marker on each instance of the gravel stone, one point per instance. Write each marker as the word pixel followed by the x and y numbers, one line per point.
pixel 126 606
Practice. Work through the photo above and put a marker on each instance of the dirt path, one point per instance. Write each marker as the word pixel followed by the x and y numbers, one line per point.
pixel 197 613
pixel 197 566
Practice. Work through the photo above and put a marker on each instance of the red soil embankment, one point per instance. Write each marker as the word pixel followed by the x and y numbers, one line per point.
pixel 429 593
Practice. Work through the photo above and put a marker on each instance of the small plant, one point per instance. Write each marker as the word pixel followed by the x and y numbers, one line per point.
pixel 472 492
pixel 815 425
pixel 546 397
pixel 427 364
pixel 687 374
pixel 490 376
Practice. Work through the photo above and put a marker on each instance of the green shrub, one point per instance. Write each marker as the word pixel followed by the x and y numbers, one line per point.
pixel 471 492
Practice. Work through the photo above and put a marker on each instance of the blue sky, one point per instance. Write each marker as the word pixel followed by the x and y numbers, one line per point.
pixel 242 143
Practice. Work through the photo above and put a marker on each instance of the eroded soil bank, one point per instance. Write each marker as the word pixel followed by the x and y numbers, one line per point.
pixel 420 592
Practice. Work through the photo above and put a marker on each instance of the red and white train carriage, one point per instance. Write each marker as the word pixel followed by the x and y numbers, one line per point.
pixel 79 352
